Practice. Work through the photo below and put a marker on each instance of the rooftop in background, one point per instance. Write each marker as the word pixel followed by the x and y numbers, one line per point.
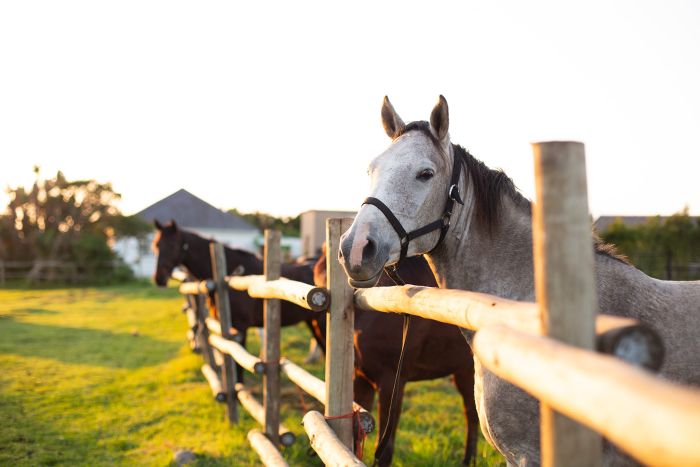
pixel 190 211
pixel 603 222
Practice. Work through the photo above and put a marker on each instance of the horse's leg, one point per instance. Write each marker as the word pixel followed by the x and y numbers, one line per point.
pixel 464 380
pixel 363 392
pixel 386 422
pixel 240 371
pixel 318 332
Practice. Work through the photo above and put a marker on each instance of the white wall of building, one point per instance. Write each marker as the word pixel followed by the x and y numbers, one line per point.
pixel 137 255
pixel 140 257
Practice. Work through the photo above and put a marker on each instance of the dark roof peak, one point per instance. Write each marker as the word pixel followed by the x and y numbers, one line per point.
pixel 189 210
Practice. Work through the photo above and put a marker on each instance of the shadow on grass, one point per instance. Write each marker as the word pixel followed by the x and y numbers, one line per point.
pixel 33 311
pixel 83 346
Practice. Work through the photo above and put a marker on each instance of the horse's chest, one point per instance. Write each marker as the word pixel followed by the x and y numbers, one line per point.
pixel 509 417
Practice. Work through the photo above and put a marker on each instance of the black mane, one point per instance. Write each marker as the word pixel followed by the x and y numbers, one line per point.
pixel 489 187
pixel 420 126
pixel 190 235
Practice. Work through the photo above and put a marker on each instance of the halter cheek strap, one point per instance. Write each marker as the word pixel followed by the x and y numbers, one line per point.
pixel 184 248
pixel 443 223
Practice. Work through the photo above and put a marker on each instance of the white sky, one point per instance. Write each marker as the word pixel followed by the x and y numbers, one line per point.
pixel 274 106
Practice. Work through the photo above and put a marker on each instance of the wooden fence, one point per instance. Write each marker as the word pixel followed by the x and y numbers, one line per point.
pixel 41 270
pixel 330 434
pixel 545 348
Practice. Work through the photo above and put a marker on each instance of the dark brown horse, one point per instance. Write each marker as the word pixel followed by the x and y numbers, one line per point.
pixel 178 247
pixel 433 350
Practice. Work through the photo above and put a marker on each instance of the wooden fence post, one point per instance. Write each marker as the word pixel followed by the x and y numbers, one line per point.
pixel 228 373
pixel 564 283
pixel 340 354
pixel 202 336
pixel 271 349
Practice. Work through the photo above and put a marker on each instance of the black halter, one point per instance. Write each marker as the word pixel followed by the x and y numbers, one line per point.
pixel 392 271
pixel 443 223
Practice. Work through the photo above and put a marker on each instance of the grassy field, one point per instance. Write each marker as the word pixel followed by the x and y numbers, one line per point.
pixel 104 377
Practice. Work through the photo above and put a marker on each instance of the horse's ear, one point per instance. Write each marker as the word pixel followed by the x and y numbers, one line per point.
pixel 158 225
pixel 391 120
pixel 173 225
pixel 440 119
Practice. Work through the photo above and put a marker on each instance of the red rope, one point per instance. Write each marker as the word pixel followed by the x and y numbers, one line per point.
pixel 359 435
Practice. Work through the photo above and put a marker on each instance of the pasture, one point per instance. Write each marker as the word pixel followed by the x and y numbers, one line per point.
pixel 104 376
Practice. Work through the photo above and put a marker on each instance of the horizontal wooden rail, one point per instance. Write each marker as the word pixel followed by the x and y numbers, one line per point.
pixel 305 295
pixel 178 275
pixel 218 356
pixel 214 326
pixel 191 338
pixel 316 387
pixel 196 288
pixel 474 310
pixel 214 383
pixel 191 318
pixel 653 420
pixel 267 451
pixel 239 354
pixel 324 441
pixel 256 410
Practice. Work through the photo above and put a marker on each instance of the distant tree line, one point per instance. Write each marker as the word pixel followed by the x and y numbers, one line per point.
pixel 289 226
pixel 663 248
pixel 58 220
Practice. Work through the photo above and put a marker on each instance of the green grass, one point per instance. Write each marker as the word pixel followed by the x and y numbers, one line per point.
pixel 103 376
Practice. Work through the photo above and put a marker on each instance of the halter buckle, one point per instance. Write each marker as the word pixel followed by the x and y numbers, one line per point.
pixel 453 193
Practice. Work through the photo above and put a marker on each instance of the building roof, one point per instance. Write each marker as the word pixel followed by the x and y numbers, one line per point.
pixel 603 222
pixel 322 212
pixel 190 211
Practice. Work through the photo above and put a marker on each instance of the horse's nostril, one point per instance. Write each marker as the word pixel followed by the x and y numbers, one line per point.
pixel 370 249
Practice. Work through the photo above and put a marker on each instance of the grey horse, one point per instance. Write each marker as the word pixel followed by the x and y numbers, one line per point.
pixel 484 243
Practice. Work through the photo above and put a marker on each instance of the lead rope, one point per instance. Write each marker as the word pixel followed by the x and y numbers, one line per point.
pixel 443 224
pixel 359 433
pixel 391 271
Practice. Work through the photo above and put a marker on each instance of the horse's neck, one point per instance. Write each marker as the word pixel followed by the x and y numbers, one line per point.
pixel 197 257
pixel 501 262
pixel 497 262
pixel 251 263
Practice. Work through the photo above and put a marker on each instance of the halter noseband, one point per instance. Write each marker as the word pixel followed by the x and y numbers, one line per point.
pixel 443 223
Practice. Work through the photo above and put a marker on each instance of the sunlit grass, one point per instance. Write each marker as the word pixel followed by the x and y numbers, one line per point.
pixel 104 377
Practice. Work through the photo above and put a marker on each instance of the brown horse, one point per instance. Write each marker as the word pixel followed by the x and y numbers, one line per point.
pixel 433 350
pixel 178 247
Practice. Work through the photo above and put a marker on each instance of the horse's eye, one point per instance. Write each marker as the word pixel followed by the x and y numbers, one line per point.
pixel 425 175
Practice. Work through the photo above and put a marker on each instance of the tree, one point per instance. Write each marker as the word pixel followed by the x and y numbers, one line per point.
pixel 289 226
pixel 663 248
pixel 61 220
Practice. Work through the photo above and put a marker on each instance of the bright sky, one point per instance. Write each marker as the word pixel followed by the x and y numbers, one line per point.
pixel 274 106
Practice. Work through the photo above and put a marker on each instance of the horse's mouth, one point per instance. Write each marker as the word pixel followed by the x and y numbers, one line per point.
pixel 364 283
pixel 159 281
